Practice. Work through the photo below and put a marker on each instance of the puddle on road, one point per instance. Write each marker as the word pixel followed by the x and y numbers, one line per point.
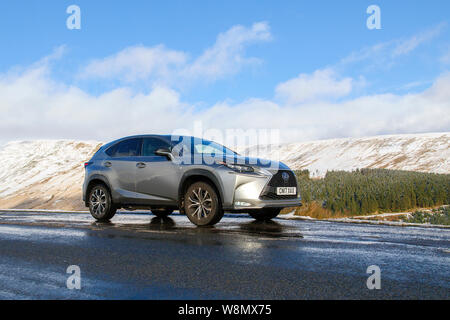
pixel 230 224
pixel 269 229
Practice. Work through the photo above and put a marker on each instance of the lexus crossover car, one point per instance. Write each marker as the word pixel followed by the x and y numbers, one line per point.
pixel 202 179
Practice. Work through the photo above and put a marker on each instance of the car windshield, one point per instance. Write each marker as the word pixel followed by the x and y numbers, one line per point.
pixel 199 146
pixel 210 147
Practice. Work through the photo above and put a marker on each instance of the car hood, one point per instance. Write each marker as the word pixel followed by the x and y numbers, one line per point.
pixel 256 162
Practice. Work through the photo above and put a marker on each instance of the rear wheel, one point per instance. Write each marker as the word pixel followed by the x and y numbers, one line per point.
pixel 162 213
pixel 265 214
pixel 100 203
pixel 202 205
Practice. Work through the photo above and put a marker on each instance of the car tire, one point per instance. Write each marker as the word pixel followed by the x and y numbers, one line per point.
pixel 202 204
pixel 162 213
pixel 100 203
pixel 265 214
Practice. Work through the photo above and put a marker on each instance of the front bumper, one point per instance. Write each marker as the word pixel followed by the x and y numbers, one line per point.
pixel 256 192
pixel 261 204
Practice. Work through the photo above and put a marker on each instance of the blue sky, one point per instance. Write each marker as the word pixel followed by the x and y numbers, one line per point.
pixel 318 43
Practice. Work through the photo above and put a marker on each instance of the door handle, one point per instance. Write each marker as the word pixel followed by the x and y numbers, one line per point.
pixel 141 165
pixel 107 164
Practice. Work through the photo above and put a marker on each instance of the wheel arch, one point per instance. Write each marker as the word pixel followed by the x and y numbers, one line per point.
pixel 96 180
pixel 196 175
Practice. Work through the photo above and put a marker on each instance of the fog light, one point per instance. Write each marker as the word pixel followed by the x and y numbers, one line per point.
pixel 242 204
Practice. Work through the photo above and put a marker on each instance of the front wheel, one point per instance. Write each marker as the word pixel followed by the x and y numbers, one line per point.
pixel 265 214
pixel 100 203
pixel 202 205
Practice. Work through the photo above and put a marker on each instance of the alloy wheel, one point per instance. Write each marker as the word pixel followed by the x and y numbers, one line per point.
pixel 98 202
pixel 200 202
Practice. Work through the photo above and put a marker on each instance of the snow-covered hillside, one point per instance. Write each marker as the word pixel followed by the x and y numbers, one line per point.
pixel 49 174
pixel 414 152
pixel 43 174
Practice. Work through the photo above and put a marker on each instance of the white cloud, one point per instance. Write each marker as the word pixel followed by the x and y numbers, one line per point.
pixel 322 84
pixel 226 56
pixel 445 58
pixel 403 47
pixel 385 54
pixel 33 105
pixel 310 106
pixel 159 64
pixel 136 63
pixel 428 111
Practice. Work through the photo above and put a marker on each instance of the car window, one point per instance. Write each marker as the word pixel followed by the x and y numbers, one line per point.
pixel 150 145
pixel 127 148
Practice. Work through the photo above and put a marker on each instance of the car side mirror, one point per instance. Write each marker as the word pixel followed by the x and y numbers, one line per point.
pixel 164 153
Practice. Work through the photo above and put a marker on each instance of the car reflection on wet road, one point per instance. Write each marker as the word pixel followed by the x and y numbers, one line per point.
pixel 139 256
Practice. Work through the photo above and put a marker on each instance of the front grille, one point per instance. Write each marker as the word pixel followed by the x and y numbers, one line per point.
pixel 274 196
pixel 278 181
pixel 270 191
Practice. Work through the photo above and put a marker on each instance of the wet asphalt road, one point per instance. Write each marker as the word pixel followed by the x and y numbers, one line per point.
pixel 138 256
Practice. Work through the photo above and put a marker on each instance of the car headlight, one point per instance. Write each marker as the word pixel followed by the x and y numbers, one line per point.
pixel 239 167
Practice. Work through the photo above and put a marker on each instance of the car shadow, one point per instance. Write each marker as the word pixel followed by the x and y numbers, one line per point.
pixel 165 223
pixel 270 228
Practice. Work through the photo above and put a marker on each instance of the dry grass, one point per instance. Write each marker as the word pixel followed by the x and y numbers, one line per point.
pixel 315 210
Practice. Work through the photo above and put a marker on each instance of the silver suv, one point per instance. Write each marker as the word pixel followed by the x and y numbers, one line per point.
pixel 200 178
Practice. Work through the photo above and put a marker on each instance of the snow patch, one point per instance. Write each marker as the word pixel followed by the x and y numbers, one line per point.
pixel 414 152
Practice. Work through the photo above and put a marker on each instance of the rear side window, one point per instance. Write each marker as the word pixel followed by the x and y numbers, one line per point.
pixel 150 145
pixel 127 148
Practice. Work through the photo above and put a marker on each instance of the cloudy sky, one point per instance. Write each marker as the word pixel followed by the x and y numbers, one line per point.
pixel 311 69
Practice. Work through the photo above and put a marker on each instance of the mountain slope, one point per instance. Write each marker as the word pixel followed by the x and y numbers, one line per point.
pixel 49 174
pixel 43 174
pixel 414 152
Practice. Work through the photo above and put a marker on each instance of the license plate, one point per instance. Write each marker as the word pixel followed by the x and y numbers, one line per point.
pixel 286 191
